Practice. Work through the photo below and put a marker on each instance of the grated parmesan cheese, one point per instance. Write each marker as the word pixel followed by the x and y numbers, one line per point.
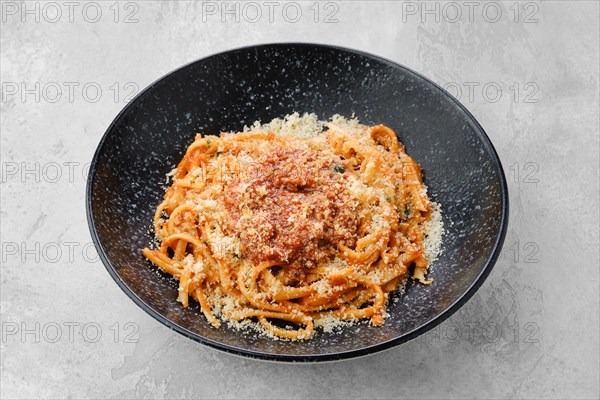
pixel 434 231
pixel 292 125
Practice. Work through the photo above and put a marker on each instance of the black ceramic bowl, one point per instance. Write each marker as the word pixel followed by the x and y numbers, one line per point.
pixel 226 91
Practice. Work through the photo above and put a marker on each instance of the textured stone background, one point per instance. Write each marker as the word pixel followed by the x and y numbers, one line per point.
pixel 530 78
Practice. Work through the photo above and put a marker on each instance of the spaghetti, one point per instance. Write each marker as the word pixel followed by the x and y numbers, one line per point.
pixel 291 228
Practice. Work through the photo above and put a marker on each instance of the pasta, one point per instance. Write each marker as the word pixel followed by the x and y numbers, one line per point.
pixel 294 223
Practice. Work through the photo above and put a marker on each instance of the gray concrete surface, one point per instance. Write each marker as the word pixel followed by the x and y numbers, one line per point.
pixel 530 78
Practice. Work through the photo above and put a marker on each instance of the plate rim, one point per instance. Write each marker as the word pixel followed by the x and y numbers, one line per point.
pixel 449 311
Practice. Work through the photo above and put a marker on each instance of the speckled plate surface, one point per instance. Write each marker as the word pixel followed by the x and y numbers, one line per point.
pixel 226 91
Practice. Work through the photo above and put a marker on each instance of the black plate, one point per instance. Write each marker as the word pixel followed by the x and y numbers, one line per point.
pixel 224 92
